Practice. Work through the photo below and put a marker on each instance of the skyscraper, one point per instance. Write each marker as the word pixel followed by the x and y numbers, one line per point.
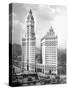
pixel 28 45
pixel 49 52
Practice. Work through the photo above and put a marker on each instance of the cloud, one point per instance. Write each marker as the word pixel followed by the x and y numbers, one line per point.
pixel 18 33
pixel 20 11
pixel 17 29
pixel 44 15
pixel 45 12
pixel 49 12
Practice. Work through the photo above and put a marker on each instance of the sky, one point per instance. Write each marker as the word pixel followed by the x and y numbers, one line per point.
pixel 45 16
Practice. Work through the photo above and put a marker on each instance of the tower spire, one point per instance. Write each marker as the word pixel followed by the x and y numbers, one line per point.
pixel 30 11
pixel 30 16
pixel 51 29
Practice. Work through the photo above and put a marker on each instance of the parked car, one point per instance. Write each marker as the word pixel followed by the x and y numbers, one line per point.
pixel 45 80
pixel 28 79
pixel 57 78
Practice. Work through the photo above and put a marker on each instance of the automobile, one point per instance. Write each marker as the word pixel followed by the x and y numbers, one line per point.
pixel 57 78
pixel 53 81
pixel 45 80
pixel 26 78
pixel 30 80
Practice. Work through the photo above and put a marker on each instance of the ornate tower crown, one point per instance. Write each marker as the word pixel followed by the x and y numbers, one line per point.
pixel 30 26
pixel 50 34
pixel 51 29
pixel 30 11
pixel 30 16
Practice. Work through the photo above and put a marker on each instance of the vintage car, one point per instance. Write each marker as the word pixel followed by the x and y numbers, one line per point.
pixel 27 79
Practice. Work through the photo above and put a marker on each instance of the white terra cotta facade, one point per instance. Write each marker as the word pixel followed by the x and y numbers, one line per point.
pixel 28 45
pixel 49 52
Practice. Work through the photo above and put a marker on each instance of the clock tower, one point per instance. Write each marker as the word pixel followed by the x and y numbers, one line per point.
pixel 29 48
